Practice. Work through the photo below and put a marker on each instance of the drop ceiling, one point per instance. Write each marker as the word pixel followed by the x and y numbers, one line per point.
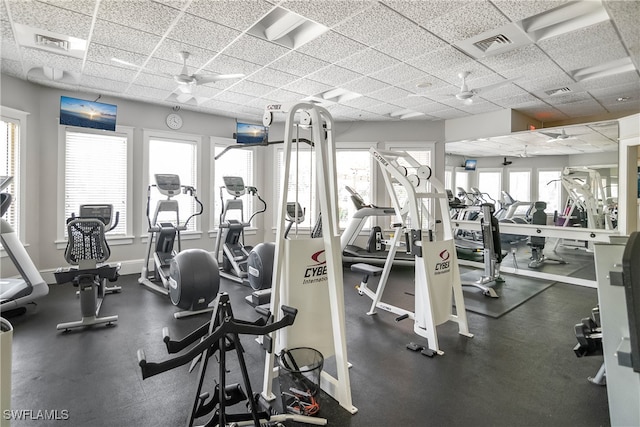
pixel 364 60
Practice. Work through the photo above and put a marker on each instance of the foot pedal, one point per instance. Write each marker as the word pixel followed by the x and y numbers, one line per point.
pixel 415 347
pixel 428 352
pixel 401 318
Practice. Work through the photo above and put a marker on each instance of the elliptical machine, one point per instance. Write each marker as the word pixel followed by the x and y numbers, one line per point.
pixel 230 238
pixel 165 234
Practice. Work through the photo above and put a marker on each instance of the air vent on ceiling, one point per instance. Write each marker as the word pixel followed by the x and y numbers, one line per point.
pixel 558 91
pixel 495 41
pixel 51 42
pixel 492 43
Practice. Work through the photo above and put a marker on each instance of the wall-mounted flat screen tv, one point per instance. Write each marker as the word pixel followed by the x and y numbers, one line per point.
pixel 251 134
pixel 87 114
pixel 470 165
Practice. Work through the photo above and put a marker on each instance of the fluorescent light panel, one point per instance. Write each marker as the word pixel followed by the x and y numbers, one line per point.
pixel 287 28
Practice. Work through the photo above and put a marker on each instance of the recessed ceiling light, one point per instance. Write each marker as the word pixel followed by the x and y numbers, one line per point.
pixel 423 85
pixel 623 99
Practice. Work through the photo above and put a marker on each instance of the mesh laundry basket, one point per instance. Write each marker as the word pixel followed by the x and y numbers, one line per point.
pixel 299 378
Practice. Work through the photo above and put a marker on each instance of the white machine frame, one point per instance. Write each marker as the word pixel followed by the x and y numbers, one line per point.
pixel 17 293
pixel 427 314
pixel 285 280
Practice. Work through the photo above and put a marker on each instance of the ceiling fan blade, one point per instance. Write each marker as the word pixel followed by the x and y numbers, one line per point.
pixel 202 79
pixel 185 88
pixel 495 85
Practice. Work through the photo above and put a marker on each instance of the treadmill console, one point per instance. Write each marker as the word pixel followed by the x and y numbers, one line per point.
pixel 234 185
pixel 168 184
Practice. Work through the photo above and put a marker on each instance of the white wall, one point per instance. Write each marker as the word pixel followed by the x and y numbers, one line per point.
pixel 43 104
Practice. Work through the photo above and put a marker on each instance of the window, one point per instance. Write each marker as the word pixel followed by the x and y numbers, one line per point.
pixel 520 185
pixel 168 154
pixel 95 171
pixel 448 177
pixel 462 181
pixel 490 182
pixel 234 163
pixel 353 170
pixel 550 190
pixel 10 166
pixel 305 176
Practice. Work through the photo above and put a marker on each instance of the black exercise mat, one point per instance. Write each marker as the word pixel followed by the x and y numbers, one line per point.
pixel 513 292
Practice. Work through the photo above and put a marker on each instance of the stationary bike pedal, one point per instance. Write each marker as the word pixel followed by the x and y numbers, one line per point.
pixel 415 347
pixel 428 352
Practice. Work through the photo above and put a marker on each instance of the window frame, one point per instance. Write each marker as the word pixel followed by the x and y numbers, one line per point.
pixel 217 141
pixel 125 131
pixel 21 119
pixel 147 136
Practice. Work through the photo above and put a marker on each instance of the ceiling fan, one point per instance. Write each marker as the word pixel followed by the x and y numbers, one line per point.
pixel 466 95
pixel 557 136
pixel 186 81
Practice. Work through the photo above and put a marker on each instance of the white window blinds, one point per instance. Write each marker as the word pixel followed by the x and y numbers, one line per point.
pixel 9 165
pixel 177 157
pixel 96 172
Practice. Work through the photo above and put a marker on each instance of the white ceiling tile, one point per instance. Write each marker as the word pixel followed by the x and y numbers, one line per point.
pixel 603 83
pixel 103 54
pixel 60 62
pixel 253 49
pixel 237 14
pixel 282 95
pixel 48 17
pixel 12 68
pixel 224 64
pixel 248 87
pixel 169 50
pixel 410 44
pixel 8 47
pixel 374 25
pixel 124 38
pixel 157 81
pixel 327 12
pixel 439 59
pixel 331 47
pixel 424 11
pixel 101 83
pixel 202 33
pixel 390 94
pixel 307 87
pixel 334 75
pixel 368 61
pixel 95 69
pixel 364 85
pixel 150 17
pixel 235 97
pixel 517 10
pixel 399 74
pixel 299 64
pixel 468 21
pixel 86 7
pixel 272 77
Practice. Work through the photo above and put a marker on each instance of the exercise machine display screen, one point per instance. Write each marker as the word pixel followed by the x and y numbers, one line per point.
pixel 234 185
pixel 294 210
pixel 168 184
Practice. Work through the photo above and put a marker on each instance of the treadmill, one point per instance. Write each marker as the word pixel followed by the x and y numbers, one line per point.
pixel 375 252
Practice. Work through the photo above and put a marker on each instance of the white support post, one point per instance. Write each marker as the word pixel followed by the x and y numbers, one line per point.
pixel 295 259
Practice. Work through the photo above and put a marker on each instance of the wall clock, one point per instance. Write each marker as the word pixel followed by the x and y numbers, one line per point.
pixel 174 121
